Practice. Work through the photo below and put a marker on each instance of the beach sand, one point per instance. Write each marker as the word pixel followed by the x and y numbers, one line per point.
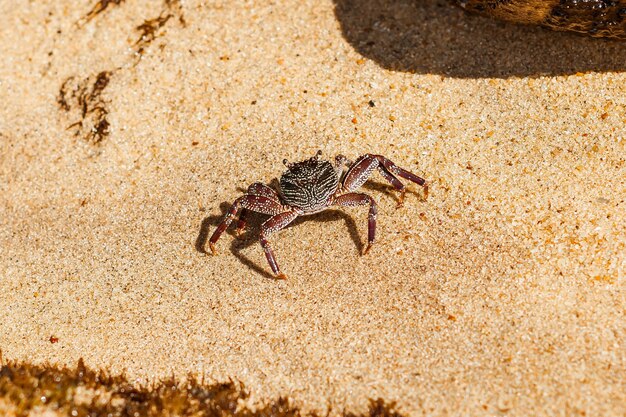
pixel 125 135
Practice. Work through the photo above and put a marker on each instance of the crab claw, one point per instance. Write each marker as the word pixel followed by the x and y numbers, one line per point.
pixel 212 247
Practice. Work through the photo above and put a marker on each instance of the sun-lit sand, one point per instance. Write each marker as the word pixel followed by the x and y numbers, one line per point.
pixel 125 136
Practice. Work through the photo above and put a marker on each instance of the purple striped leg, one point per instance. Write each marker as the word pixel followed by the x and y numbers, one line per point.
pixel 360 172
pixel 258 189
pixel 272 225
pixel 258 203
pixel 360 199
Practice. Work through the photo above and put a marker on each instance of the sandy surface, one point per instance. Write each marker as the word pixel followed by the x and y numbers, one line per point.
pixel 503 293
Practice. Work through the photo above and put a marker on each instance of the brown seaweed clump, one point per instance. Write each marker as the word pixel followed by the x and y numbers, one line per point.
pixel 150 29
pixel 100 7
pixel 84 99
pixel 81 392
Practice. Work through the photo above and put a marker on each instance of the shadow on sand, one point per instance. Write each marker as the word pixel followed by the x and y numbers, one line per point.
pixel 251 236
pixel 434 37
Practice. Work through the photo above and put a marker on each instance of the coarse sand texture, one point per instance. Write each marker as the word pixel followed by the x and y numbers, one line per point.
pixel 128 128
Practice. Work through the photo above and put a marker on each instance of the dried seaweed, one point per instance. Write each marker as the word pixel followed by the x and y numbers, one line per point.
pixel 100 7
pixel 84 97
pixel 80 391
pixel 150 29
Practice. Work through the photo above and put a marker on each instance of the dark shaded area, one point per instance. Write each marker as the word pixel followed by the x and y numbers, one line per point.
pixel 84 98
pixel 435 37
pixel 83 392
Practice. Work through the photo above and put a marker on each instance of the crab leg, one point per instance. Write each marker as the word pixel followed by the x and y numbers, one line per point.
pixel 360 171
pixel 260 204
pixel 395 182
pixel 241 223
pixel 360 199
pixel 271 225
pixel 258 189
pixel 392 168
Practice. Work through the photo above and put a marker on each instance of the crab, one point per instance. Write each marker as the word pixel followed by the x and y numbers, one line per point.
pixel 312 186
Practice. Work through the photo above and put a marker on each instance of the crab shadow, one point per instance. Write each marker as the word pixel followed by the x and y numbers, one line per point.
pixel 251 236
pixel 435 37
